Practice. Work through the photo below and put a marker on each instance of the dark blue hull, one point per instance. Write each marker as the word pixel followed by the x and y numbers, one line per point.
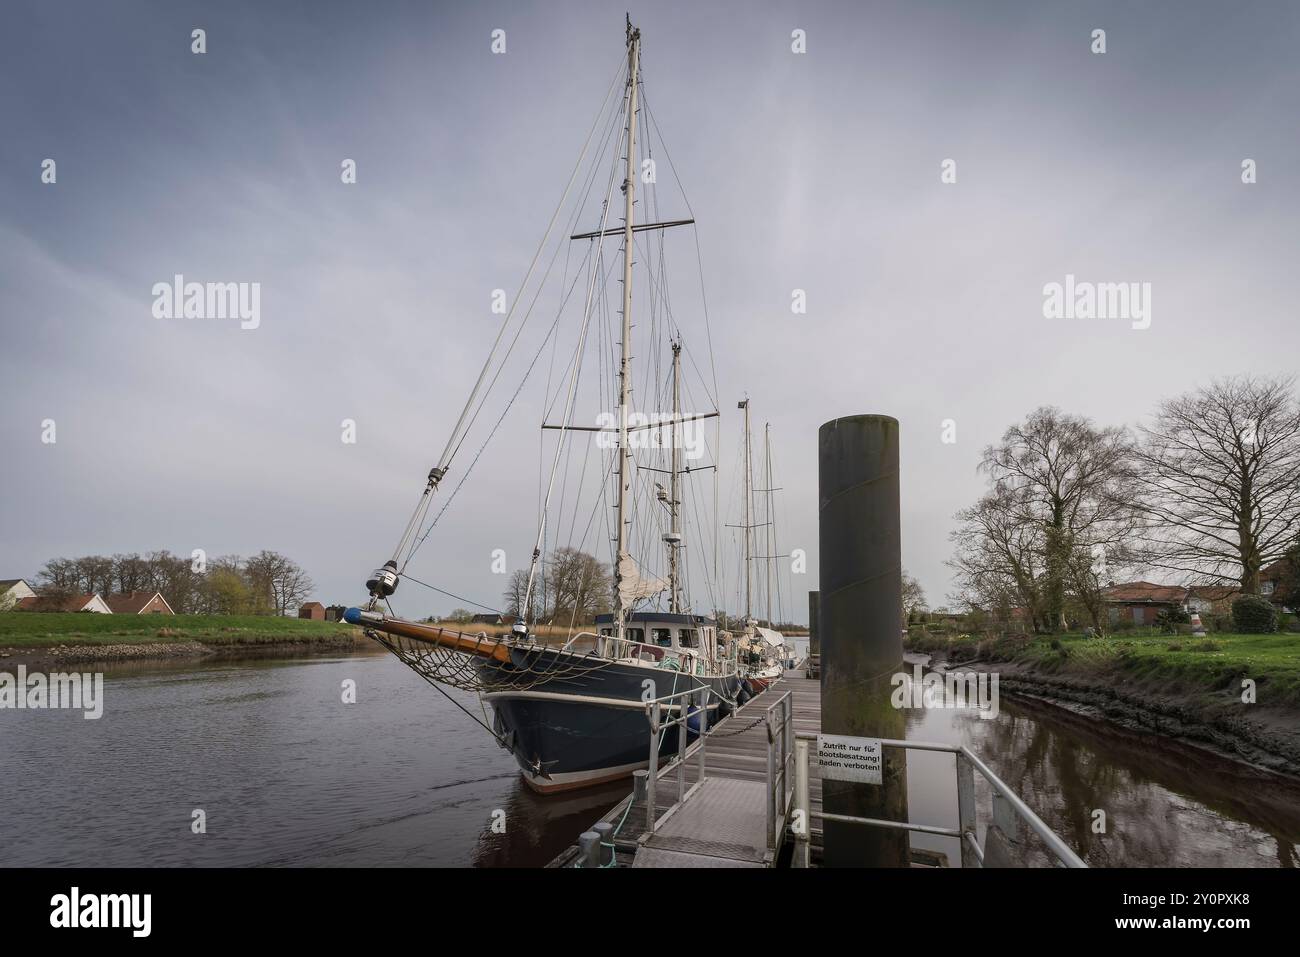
pixel 586 726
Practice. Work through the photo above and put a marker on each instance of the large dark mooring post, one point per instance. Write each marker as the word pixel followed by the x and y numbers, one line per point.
pixel 859 629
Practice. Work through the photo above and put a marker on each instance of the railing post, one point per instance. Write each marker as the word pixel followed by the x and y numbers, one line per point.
pixel 780 753
pixel 683 732
pixel 787 749
pixel 704 729
pixel 966 810
pixel 1002 837
pixel 654 768
pixel 771 783
pixel 803 806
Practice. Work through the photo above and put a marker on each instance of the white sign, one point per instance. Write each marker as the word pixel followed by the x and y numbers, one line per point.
pixel 846 758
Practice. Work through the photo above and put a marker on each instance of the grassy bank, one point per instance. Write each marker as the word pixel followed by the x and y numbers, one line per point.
pixel 1170 664
pixel 21 630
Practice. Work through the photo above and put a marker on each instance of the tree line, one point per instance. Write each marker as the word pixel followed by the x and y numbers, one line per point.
pixel 1208 493
pixel 267 583
pixel 573 587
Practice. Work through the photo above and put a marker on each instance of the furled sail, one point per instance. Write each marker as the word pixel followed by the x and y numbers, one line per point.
pixel 634 582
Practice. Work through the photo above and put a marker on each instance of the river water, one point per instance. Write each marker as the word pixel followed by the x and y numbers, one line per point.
pixel 286 773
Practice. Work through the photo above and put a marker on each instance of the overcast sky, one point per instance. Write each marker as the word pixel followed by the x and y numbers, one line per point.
pixel 818 171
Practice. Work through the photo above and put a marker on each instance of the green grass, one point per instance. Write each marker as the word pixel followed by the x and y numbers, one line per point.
pixel 22 629
pixel 1177 664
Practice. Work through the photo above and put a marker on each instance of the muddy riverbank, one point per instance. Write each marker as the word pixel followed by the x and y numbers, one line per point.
pixel 1264 738
pixel 55 657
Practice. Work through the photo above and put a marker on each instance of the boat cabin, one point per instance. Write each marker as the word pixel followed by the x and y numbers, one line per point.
pixel 661 636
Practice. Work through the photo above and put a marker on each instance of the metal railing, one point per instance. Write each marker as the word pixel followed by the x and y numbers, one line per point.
pixel 1008 809
pixel 780 726
pixel 653 709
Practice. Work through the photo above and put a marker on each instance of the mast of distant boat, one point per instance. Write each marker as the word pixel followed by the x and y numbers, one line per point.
pixel 769 533
pixel 749 521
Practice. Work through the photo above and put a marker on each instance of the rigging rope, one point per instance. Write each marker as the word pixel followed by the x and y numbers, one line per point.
pixel 467 601
pixel 457 437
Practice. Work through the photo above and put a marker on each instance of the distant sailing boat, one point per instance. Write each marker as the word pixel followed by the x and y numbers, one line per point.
pixel 576 715
pixel 762 652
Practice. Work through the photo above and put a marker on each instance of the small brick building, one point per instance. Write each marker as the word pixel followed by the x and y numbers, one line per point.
pixel 313 610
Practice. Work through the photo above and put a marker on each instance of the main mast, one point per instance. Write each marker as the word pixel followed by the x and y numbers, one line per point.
pixel 625 364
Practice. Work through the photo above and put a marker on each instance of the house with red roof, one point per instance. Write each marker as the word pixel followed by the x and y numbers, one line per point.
pixel 1273 583
pixel 12 591
pixel 1140 602
pixel 64 603
pixel 139 603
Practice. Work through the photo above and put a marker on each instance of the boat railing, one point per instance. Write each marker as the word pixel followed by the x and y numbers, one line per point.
pixel 582 634
pixel 1009 811
pixel 687 660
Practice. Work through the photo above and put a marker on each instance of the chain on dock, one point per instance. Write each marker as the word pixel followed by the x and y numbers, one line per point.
pixel 726 734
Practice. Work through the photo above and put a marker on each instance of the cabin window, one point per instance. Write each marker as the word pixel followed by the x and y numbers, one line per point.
pixel 663 637
pixel 690 638
pixel 607 632
pixel 635 634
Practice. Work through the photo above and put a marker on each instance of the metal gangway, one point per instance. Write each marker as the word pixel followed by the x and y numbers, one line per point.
pixel 736 799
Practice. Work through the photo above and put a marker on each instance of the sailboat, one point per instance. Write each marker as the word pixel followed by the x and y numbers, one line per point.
pixel 761 651
pixel 576 715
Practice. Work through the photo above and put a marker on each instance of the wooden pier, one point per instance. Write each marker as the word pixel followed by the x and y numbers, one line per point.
pixel 724 824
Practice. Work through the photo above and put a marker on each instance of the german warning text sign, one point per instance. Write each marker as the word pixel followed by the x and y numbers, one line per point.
pixel 846 758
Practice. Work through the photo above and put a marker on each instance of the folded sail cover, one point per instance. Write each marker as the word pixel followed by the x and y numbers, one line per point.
pixel 634 583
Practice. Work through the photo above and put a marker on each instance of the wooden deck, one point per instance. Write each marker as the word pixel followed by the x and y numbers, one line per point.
pixel 724 823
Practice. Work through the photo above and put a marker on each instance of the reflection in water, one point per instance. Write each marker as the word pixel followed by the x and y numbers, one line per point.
pixel 286 773
pixel 289 775
pixel 540 827
pixel 1165 804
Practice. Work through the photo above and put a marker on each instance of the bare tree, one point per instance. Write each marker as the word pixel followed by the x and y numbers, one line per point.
pixel 131 573
pixel 59 577
pixel 1060 514
pixel 177 580
pixel 579 585
pixel 96 572
pixel 998 559
pixel 913 595
pixel 277 582
pixel 516 593
pixel 1221 471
